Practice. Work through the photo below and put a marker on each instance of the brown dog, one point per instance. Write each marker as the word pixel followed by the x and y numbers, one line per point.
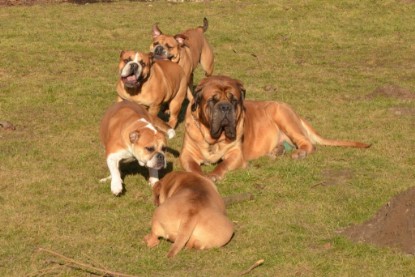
pixel 129 132
pixel 190 212
pixel 221 126
pixel 151 83
pixel 188 49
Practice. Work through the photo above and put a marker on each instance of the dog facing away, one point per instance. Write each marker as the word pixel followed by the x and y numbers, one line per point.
pixel 221 126
pixel 190 213
pixel 151 83
pixel 128 132
pixel 188 49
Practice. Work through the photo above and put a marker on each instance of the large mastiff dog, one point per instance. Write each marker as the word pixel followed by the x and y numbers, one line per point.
pixel 151 83
pixel 223 127
pixel 188 49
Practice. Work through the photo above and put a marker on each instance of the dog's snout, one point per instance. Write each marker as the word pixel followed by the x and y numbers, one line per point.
pixel 225 107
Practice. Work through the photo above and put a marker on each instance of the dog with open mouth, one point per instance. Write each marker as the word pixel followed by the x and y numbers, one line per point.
pixel 222 127
pixel 151 83
pixel 188 49
pixel 128 132
pixel 190 213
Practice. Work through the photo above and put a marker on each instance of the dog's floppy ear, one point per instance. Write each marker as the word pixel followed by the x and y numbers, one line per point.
pixel 122 53
pixel 242 89
pixel 156 193
pixel 156 31
pixel 151 58
pixel 181 39
pixel 197 97
pixel 134 136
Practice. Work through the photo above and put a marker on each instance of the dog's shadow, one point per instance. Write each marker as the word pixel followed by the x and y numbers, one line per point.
pixel 133 168
pixel 163 114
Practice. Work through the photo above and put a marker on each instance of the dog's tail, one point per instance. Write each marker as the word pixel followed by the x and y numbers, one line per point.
pixel 187 225
pixel 317 139
pixel 205 25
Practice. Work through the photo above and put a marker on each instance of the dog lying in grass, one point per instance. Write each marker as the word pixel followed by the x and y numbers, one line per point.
pixel 190 213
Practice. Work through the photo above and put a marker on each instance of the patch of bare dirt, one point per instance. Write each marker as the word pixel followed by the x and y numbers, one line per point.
pixel 392 226
pixel 391 91
pixel 335 177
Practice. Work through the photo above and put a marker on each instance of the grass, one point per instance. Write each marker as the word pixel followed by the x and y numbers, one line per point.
pixel 57 77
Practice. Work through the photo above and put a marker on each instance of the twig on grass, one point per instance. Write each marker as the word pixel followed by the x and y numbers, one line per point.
pixel 256 264
pixel 232 199
pixel 83 266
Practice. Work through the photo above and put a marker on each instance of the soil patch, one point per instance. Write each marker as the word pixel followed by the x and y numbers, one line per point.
pixel 392 226
pixel 391 91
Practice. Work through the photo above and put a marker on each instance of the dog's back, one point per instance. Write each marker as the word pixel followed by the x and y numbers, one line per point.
pixel 191 213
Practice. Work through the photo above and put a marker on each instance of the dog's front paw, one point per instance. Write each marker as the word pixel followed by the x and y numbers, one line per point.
pixel 299 154
pixel 215 178
pixel 151 240
pixel 116 187
pixel 171 133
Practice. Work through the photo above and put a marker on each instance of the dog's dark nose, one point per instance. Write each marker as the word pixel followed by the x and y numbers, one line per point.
pixel 160 157
pixel 158 50
pixel 133 67
pixel 225 107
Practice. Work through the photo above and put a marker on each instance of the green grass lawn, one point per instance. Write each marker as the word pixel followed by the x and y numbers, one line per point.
pixel 58 69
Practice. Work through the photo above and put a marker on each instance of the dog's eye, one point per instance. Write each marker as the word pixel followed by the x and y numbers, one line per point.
pixel 150 149
pixel 127 60
pixel 143 64
pixel 163 149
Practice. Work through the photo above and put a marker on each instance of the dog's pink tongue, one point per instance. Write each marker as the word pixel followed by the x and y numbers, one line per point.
pixel 131 78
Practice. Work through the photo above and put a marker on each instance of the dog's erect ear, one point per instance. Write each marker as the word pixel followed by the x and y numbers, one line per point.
pixel 156 31
pixel 156 193
pixel 134 136
pixel 181 39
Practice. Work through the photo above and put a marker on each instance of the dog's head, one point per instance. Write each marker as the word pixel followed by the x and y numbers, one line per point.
pixel 147 144
pixel 218 105
pixel 134 68
pixel 167 47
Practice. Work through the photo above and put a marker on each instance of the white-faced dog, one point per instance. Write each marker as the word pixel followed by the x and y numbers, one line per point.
pixel 129 132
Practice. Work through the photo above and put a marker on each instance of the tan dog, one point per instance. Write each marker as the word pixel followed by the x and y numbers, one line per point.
pixel 151 83
pixel 188 49
pixel 221 126
pixel 129 132
pixel 190 213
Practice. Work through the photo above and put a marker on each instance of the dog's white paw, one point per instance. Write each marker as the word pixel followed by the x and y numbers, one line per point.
pixel 116 187
pixel 153 180
pixel 171 133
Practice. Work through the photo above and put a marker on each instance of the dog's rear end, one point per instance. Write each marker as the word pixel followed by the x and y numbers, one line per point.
pixel 191 213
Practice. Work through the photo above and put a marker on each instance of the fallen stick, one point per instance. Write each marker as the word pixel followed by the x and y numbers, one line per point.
pixel 7 125
pixel 85 266
pixel 232 199
pixel 256 264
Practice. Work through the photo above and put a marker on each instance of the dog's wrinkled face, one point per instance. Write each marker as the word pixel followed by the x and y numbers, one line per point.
pixel 218 103
pixel 148 145
pixel 134 68
pixel 166 47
